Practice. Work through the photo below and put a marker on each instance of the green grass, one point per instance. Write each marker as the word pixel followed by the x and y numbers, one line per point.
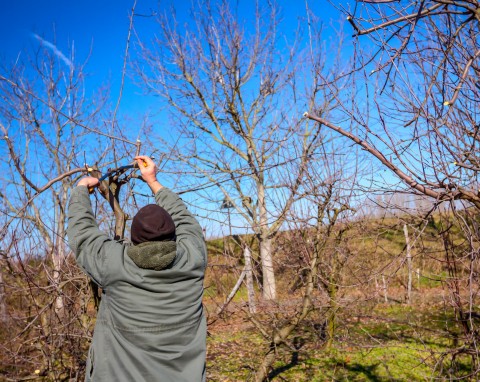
pixel 386 342
pixel 392 362
pixel 432 280
pixel 375 341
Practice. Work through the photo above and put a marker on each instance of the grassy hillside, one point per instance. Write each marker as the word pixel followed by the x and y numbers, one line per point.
pixel 378 335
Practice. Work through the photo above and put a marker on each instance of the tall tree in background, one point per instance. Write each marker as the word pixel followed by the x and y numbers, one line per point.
pixel 418 115
pixel 315 249
pixel 237 96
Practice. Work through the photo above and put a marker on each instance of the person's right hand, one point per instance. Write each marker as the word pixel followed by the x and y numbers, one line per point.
pixel 147 168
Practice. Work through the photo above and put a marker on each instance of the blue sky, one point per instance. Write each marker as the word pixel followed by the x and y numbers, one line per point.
pixel 101 27
pixel 98 31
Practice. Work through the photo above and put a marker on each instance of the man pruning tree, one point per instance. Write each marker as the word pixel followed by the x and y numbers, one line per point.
pixel 150 324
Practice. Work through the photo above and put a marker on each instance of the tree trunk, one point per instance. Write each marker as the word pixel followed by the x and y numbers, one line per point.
pixel 332 290
pixel 265 244
pixel 232 293
pixel 249 280
pixel 409 265
pixel 267 362
pixel 269 287
pixel 332 315
pixel 56 279
pixel 58 253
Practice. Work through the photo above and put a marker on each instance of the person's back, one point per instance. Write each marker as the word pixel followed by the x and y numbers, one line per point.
pixel 150 325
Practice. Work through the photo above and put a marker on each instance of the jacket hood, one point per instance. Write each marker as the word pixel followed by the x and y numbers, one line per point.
pixel 155 255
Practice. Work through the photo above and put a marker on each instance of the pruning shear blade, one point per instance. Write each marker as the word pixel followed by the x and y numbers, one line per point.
pixel 105 176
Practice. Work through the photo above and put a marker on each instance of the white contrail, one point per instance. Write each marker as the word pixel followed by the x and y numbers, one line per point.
pixel 54 49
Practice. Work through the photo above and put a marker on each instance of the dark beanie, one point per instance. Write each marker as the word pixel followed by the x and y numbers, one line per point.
pixel 152 223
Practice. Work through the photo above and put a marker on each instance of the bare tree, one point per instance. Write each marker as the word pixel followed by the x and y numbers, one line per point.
pixel 316 248
pixel 235 94
pixel 418 116
pixel 50 129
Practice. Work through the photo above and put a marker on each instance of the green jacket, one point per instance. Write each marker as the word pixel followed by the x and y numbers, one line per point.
pixel 150 324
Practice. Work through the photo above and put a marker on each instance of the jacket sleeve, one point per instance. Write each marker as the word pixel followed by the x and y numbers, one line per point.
pixel 91 246
pixel 187 227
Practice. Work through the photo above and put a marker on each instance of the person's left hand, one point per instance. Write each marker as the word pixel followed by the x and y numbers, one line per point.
pixel 88 181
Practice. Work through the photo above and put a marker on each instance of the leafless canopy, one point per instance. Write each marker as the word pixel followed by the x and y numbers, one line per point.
pixel 422 93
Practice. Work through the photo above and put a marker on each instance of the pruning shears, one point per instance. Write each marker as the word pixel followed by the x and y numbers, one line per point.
pixel 121 168
pixel 118 169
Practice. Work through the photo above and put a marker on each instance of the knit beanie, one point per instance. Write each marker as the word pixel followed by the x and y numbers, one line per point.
pixel 152 223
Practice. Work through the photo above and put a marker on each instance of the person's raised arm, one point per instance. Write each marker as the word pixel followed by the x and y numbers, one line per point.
pixel 149 172
pixel 89 244
pixel 186 225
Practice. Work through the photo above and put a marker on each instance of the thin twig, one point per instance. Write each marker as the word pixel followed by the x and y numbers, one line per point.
pixel 124 64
